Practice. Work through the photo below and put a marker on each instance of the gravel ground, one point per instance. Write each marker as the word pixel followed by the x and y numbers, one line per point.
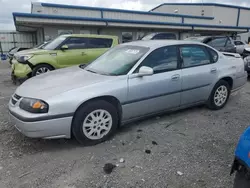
pixel 196 142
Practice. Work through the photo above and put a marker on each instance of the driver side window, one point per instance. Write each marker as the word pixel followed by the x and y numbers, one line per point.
pixel 76 43
pixel 162 59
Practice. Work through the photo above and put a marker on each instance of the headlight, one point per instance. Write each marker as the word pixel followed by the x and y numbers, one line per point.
pixel 23 58
pixel 34 105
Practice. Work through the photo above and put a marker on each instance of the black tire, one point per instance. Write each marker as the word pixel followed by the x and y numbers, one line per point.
pixel 210 103
pixel 84 111
pixel 38 67
pixel 240 181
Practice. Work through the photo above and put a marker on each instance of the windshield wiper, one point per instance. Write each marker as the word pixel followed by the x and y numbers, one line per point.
pixel 91 71
pixel 102 73
pixel 82 66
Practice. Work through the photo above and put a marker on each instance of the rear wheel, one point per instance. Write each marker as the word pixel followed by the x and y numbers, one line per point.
pixel 241 180
pixel 41 69
pixel 95 122
pixel 219 95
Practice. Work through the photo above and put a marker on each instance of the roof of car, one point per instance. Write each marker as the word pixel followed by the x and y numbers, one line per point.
pixel 159 43
pixel 203 37
pixel 90 35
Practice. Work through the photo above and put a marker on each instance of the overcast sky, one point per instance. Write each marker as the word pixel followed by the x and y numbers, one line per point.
pixel 9 6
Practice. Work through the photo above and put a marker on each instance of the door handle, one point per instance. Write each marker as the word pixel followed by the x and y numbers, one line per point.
pixel 175 77
pixel 213 70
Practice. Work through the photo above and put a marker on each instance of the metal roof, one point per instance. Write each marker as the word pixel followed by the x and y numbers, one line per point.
pixel 203 4
pixel 125 11
pixel 17 14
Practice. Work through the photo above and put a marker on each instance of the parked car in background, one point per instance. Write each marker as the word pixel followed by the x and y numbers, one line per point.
pixel 63 51
pixel 240 46
pixel 247 64
pixel 38 46
pixel 220 43
pixel 246 52
pixel 160 36
pixel 41 45
pixel 130 81
pixel 14 50
pixel 241 164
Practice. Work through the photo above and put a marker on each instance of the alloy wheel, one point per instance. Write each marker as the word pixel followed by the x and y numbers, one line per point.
pixel 220 96
pixel 97 124
pixel 42 70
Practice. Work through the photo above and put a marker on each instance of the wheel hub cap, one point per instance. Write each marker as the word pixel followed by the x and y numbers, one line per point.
pixel 97 124
pixel 220 95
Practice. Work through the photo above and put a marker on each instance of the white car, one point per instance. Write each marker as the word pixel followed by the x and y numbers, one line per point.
pixel 240 46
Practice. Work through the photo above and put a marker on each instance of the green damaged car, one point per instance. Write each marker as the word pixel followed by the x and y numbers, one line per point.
pixel 63 51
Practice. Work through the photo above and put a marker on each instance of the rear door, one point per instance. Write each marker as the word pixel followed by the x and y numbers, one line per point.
pixel 199 73
pixel 74 55
pixel 95 48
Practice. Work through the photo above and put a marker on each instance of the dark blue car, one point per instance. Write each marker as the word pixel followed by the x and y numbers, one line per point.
pixel 241 163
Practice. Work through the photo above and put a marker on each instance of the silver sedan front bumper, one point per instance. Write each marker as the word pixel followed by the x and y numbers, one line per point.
pixel 37 126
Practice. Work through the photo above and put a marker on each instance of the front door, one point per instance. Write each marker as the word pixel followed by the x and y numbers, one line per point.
pixel 75 54
pixel 158 92
pixel 198 73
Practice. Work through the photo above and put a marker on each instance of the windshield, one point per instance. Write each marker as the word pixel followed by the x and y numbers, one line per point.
pixel 148 37
pixel 41 45
pixel 14 50
pixel 117 61
pixel 54 43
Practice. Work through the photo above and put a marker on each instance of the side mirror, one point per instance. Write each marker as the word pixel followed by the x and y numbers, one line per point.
pixel 145 71
pixel 64 47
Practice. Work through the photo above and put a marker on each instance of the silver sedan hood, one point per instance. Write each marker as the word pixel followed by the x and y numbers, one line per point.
pixel 56 82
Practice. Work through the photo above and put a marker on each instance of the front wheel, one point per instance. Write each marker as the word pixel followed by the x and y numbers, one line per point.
pixel 240 181
pixel 95 122
pixel 41 69
pixel 219 95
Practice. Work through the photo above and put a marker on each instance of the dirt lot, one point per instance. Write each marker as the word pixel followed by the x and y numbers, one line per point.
pixel 197 142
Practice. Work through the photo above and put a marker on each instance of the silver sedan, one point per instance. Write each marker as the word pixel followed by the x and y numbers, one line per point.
pixel 128 82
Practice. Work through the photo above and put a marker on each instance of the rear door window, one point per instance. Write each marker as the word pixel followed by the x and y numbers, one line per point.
pixel 99 43
pixel 214 55
pixel 194 55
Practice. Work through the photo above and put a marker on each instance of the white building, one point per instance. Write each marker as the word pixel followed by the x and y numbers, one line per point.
pixel 50 20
